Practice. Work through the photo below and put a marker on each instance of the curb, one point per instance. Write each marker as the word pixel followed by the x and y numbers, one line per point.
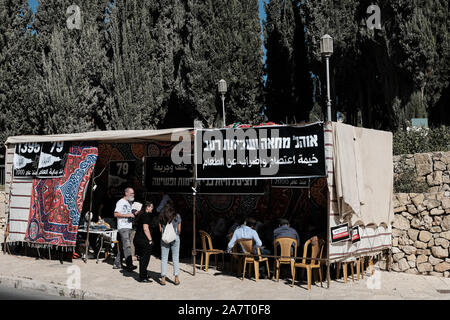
pixel 54 289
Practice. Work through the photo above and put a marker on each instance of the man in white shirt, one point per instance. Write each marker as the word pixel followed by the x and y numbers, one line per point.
pixel 247 231
pixel 125 217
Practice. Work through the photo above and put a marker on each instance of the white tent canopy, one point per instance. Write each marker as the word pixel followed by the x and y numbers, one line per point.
pixel 113 136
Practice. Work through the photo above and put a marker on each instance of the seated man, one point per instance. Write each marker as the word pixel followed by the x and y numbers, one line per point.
pixel 284 230
pixel 247 231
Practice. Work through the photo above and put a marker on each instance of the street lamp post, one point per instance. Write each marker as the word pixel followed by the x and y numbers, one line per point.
pixel 222 90
pixel 326 49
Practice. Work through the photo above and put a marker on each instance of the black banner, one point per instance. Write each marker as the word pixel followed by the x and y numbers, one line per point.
pixel 260 153
pixel 290 183
pixel 52 159
pixel 120 176
pixel 161 174
pixel 232 186
pixel 42 160
pixel 26 159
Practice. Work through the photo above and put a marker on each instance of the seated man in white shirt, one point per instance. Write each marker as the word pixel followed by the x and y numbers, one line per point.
pixel 247 231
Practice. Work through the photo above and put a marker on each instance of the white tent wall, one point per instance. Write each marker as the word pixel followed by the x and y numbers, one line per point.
pixel 9 157
pixel 374 239
pixel 17 200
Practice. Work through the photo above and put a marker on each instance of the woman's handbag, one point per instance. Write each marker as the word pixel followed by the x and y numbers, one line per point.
pixel 169 234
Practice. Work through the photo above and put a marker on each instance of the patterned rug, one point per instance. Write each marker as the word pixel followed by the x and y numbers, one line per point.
pixel 56 204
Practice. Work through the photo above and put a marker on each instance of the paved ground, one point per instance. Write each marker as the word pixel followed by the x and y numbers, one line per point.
pixel 8 293
pixel 100 281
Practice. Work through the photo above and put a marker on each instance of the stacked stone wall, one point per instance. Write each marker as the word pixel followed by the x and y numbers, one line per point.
pixel 431 168
pixel 421 234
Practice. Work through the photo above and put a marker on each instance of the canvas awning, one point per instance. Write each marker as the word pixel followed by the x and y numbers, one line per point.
pixel 112 136
pixel 363 171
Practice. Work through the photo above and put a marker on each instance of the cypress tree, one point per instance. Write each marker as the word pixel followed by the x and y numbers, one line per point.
pixel 224 43
pixel 18 67
pixel 73 85
pixel 289 84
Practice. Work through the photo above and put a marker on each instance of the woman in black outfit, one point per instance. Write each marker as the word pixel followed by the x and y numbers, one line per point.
pixel 143 241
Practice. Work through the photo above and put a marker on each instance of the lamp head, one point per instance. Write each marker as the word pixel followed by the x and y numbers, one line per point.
pixel 326 45
pixel 222 86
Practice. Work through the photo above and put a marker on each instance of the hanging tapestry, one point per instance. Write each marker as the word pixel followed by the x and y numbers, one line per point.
pixel 56 204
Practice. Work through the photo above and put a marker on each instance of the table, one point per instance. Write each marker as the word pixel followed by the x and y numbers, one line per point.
pixel 110 235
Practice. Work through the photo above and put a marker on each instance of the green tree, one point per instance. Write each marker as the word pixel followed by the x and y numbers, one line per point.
pixel 223 43
pixel 141 65
pixel 18 67
pixel 380 72
pixel 289 83
pixel 73 83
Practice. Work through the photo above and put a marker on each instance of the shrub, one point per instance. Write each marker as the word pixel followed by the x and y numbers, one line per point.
pixel 406 181
pixel 421 140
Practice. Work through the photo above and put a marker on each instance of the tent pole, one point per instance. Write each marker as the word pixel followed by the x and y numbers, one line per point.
pixel 328 237
pixel 328 220
pixel 194 213
pixel 89 218
pixel 194 252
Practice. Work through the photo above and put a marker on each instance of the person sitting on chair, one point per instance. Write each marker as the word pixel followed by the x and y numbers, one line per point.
pixel 285 230
pixel 247 231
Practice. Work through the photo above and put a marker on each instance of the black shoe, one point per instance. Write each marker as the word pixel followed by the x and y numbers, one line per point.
pixel 130 268
pixel 145 280
pixel 117 267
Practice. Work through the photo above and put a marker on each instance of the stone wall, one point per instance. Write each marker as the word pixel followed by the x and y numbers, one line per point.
pixel 432 168
pixel 421 234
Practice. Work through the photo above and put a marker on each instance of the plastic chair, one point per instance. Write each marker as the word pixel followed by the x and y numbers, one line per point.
pixel 285 244
pixel 209 250
pixel 316 252
pixel 344 268
pixel 235 259
pixel 247 247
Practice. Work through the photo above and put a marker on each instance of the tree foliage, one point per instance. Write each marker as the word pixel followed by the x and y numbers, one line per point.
pixel 382 73
pixel 289 84
pixel 156 64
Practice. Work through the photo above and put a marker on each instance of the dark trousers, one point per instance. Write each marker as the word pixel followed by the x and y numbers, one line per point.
pixel 143 250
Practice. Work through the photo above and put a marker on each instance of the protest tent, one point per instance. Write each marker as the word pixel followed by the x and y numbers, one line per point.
pixel 29 196
pixel 354 169
pixel 358 169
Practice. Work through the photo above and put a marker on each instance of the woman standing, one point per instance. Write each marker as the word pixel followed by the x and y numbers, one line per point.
pixel 143 241
pixel 168 215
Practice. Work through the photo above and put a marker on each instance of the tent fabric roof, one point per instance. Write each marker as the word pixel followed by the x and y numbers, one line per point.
pixel 113 136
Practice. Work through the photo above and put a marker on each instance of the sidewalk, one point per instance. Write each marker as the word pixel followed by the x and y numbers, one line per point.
pixel 100 281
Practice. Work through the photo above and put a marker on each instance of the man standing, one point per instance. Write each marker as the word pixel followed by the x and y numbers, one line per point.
pixel 125 217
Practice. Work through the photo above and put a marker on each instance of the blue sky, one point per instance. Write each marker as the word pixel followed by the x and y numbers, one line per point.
pixel 33 4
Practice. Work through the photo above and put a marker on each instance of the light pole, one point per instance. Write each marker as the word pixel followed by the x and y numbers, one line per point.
pixel 326 49
pixel 222 90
